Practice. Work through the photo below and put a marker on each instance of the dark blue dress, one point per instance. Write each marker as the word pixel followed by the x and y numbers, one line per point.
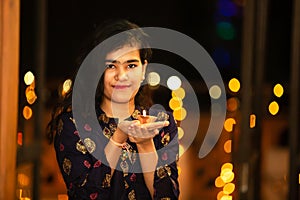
pixel 89 177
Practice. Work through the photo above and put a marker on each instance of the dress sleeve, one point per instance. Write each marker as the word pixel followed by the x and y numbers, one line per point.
pixel 85 176
pixel 166 175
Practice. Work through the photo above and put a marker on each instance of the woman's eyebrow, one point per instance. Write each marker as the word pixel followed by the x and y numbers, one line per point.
pixel 127 61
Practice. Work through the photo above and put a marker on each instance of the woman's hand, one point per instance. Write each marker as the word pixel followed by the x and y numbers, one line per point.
pixel 143 133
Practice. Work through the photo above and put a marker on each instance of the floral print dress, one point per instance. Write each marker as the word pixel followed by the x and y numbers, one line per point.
pixel 88 177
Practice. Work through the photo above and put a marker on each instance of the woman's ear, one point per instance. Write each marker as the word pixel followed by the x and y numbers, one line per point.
pixel 144 68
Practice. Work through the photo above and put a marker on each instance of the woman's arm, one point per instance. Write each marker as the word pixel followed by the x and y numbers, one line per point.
pixel 85 176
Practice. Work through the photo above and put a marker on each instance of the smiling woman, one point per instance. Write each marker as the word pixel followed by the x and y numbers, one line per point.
pixel 130 165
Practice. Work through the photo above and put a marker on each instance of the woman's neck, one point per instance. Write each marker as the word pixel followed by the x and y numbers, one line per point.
pixel 118 110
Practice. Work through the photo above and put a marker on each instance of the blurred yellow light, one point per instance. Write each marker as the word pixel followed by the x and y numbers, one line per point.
pixel 227 146
pixel 28 78
pixel 215 92
pixel 232 104
pixel 219 182
pixel 180 92
pixel 180 114
pixel 179 170
pixel 153 79
pixel 181 150
pixel 278 90
pixel 175 103
pixel 30 94
pixel 252 120
pixel 234 85
pixel 220 195
pixel 227 175
pixel 228 188
pixel 180 132
pixel 273 108
pixel 23 180
pixel 226 197
pixel 228 124
pixel 227 166
pixel 67 86
pixel 27 112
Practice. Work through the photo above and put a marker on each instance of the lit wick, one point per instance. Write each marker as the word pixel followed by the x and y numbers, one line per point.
pixel 144 117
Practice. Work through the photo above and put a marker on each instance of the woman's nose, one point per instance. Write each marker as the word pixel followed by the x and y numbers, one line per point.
pixel 121 75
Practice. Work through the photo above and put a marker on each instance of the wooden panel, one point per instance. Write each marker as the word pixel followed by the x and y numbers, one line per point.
pixel 9 81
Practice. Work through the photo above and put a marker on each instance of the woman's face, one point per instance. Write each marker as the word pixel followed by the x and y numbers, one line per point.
pixel 123 75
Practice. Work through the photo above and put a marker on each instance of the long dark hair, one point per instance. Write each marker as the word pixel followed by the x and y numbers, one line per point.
pixel 109 28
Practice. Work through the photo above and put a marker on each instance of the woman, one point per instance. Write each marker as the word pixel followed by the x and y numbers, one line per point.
pixel 134 164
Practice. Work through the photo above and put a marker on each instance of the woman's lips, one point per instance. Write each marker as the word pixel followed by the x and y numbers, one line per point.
pixel 121 86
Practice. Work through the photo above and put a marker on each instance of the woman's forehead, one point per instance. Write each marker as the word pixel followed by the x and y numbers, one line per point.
pixel 124 52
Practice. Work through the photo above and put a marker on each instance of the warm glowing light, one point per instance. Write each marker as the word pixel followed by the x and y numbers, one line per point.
pixel 278 90
pixel 227 166
pixel 153 79
pixel 273 108
pixel 67 86
pixel 226 197
pixel 234 85
pixel 219 182
pixel 232 104
pixel 27 112
pixel 227 146
pixel 220 195
pixel 180 92
pixel 228 124
pixel 228 188
pixel 62 197
pixel 175 103
pixel 28 78
pixel 180 114
pixel 252 120
pixel 179 170
pixel 23 179
pixel 173 82
pixel 180 132
pixel 30 94
pixel 227 175
pixel 215 92
pixel 20 138
pixel 181 150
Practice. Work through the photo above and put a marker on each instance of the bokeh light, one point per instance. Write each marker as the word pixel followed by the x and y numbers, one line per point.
pixel 273 107
pixel 175 103
pixel 67 86
pixel 180 132
pixel 28 78
pixel 215 92
pixel 278 90
pixel 180 92
pixel 228 188
pixel 219 182
pixel 233 104
pixel 226 30
pixel 234 85
pixel 228 124
pixel 173 82
pixel 180 114
pixel 227 146
pixel 153 79
pixel 27 112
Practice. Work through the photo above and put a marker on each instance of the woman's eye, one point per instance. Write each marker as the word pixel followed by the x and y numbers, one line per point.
pixel 110 66
pixel 131 66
